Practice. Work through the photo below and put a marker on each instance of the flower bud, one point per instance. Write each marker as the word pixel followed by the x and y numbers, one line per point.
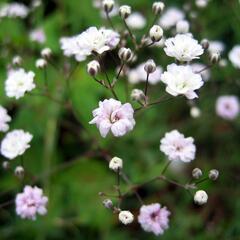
pixel 41 63
pixel 213 174
pixel 137 95
pixel 17 61
pixel 125 54
pixel 158 7
pixel 125 11
pixel 126 217
pixel 46 53
pixel 116 164
pixel 93 68
pixel 107 203
pixel 19 172
pixel 215 57
pixel 196 173
pixel 108 5
pixel 205 44
pixel 5 165
pixel 195 112
pixel 182 26
pixel 200 197
pixel 150 66
pixel 156 33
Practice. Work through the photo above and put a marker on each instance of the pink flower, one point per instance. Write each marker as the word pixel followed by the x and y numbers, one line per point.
pixel 153 218
pixel 30 202
pixel 227 107
pixel 113 116
pixel 177 147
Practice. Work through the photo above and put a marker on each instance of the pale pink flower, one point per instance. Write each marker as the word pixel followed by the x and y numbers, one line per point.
pixel 227 107
pixel 176 147
pixel 31 202
pixel 113 116
pixel 153 218
pixel 37 35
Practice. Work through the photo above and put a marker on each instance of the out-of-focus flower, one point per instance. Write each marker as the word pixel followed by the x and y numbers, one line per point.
pixel 19 82
pixel 15 143
pixel 154 218
pixel 31 202
pixel 234 56
pixel 195 112
pixel 126 217
pixel 137 95
pixel 108 5
pixel 158 7
pixel 182 26
pixel 171 17
pixel 136 21
pixel 176 147
pixel 4 119
pixel 90 41
pixel 197 67
pixel 213 174
pixel 197 173
pixel 125 11
pixel 41 63
pixel 19 172
pixel 14 10
pixel 200 197
pixel 227 107
pixel 113 116
pixel 38 35
pixel 139 75
pixel 116 164
pixel 183 47
pixel 17 60
pixel 181 80
pixel 46 53
pixel 201 3
pixel 216 47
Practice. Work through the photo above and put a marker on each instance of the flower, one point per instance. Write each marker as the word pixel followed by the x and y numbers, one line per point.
pixel 91 40
pixel 176 147
pixel 113 116
pixel 182 26
pixel 195 112
pixel 171 17
pixel 37 35
pixel 41 63
pixel 14 10
pixel 4 119
pixel 181 80
pixel 183 47
pixel 201 3
pixel 200 197
pixel 125 217
pixel 19 82
pixel 31 202
pixel 136 21
pixel 15 143
pixel 154 218
pixel 139 75
pixel 197 67
pixel 115 164
pixel 216 47
pixel 234 56
pixel 227 107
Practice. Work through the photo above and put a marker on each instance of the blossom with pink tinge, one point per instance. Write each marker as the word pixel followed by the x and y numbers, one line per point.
pixel 113 116
pixel 227 107
pixel 154 218
pixel 31 202
pixel 176 147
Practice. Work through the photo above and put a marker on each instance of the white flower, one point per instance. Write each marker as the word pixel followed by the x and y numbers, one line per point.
pixel 216 47
pixel 182 26
pixel 19 82
pixel 15 143
pixel 46 53
pixel 195 112
pixel 176 147
pixel 116 164
pixel 14 10
pixel 171 17
pixel 197 67
pixel 113 116
pixel 201 3
pixel 156 33
pixel 37 35
pixel 200 197
pixel 4 119
pixel 136 21
pixel 139 75
pixel 228 107
pixel 41 63
pixel 181 80
pixel 234 56
pixel 125 11
pixel 183 47
pixel 126 217
pixel 91 40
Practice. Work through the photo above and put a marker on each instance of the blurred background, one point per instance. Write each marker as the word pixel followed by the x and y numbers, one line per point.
pixel 63 160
